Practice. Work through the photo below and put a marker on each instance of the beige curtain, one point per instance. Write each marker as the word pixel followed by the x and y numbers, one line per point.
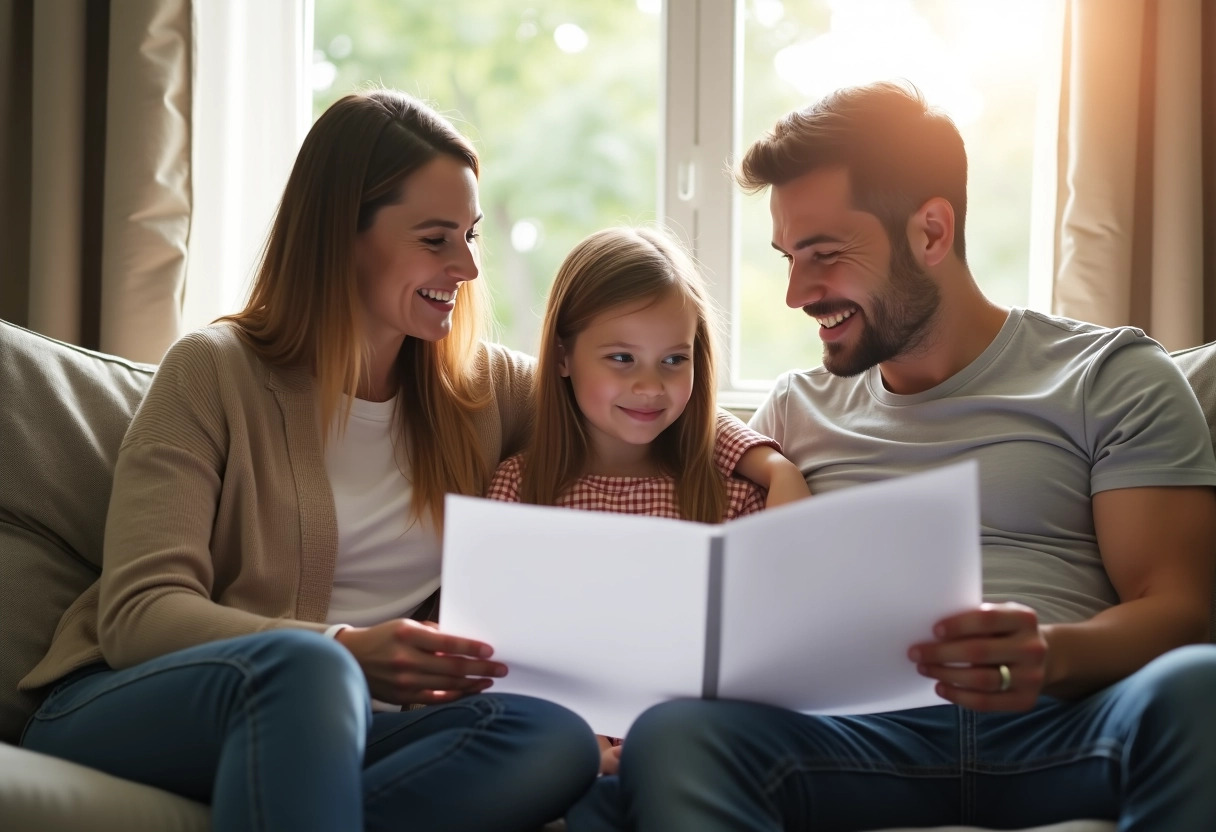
pixel 95 184
pixel 1135 188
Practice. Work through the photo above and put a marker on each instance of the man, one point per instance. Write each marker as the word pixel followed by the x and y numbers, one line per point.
pixel 1069 693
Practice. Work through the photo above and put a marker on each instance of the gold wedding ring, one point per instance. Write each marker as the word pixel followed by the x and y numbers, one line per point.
pixel 1006 678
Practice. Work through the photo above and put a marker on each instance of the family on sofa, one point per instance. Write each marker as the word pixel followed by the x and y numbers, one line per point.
pixel 260 639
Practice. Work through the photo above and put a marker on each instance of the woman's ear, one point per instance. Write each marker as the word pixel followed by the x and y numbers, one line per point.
pixel 563 366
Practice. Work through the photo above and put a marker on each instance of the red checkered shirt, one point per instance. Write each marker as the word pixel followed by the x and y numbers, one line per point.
pixel 655 496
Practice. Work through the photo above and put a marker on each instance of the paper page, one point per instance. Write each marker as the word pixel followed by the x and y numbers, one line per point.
pixel 823 598
pixel 602 613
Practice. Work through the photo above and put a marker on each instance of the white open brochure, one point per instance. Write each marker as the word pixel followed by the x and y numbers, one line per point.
pixel 810 606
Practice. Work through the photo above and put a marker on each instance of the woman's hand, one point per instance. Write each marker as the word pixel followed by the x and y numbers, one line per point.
pixel 407 662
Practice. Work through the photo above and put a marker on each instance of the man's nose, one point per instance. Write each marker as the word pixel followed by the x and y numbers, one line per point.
pixel 803 289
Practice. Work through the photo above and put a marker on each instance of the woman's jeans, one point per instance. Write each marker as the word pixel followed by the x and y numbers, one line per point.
pixel 275 731
pixel 1142 751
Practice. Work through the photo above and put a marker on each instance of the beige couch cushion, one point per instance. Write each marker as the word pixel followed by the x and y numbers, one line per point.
pixel 63 414
pixel 52 795
pixel 1199 366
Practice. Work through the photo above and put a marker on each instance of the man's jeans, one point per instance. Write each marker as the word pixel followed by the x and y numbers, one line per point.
pixel 275 731
pixel 1142 751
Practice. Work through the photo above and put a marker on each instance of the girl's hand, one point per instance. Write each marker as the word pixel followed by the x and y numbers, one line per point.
pixel 610 756
pixel 407 662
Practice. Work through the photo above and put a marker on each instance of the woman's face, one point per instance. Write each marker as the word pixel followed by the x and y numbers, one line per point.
pixel 416 255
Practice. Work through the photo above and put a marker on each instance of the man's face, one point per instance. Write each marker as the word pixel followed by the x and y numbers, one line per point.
pixel 871 298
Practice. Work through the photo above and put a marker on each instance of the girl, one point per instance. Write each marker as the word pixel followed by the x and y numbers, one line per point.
pixel 625 414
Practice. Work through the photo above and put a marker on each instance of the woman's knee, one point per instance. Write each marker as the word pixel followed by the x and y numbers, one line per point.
pixel 304 662
pixel 563 742
pixel 678 722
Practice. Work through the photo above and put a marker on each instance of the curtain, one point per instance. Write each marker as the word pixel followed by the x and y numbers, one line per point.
pixel 96 140
pixel 1135 190
pixel 143 146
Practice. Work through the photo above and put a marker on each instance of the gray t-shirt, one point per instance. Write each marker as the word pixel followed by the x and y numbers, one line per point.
pixel 1054 411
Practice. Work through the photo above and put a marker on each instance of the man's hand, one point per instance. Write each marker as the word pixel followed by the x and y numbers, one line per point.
pixel 407 662
pixel 993 658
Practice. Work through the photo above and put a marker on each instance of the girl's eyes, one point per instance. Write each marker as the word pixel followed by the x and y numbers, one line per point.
pixel 626 358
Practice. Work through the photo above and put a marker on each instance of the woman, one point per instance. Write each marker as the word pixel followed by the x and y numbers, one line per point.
pixel 259 503
pixel 283 481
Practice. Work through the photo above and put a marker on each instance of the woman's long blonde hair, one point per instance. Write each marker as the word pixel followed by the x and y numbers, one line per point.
pixel 608 270
pixel 304 308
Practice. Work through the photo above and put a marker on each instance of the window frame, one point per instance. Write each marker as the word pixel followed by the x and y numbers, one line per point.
pixel 701 140
pixel 702 114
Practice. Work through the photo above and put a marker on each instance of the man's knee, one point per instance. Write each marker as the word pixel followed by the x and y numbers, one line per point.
pixel 1183 681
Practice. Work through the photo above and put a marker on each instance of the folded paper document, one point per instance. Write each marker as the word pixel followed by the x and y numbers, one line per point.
pixel 810 606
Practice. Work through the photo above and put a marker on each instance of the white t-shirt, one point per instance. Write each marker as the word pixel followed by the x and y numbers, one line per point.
pixel 388 561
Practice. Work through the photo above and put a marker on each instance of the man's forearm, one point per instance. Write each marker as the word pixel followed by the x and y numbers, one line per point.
pixel 1089 655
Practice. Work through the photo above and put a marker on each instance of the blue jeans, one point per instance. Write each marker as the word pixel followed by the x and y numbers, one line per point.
pixel 1142 751
pixel 276 732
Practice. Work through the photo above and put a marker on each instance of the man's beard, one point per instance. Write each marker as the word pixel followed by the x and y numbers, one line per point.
pixel 897 320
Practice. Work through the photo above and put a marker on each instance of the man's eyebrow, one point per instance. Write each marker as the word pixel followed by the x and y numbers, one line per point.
pixel 811 241
pixel 431 223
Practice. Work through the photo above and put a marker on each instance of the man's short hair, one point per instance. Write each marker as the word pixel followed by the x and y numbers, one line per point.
pixel 898 153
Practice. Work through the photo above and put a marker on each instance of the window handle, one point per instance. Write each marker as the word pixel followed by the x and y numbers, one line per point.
pixel 686 181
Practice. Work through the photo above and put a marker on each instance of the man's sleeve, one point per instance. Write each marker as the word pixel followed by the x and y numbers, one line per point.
pixel 1143 422
pixel 769 418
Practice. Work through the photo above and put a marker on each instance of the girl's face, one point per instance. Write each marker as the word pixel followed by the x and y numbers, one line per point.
pixel 632 375
pixel 412 261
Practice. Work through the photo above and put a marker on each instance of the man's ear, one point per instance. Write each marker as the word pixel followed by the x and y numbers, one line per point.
pixel 563 367
pixel 931 230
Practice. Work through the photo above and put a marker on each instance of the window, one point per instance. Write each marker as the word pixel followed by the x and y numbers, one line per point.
pixel 590 113
pixel 558 97
pixel 979 62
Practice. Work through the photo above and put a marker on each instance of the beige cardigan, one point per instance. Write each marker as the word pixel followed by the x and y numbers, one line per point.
pixel 221 521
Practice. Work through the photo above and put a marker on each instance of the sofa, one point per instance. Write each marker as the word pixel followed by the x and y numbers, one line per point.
pixel 63 412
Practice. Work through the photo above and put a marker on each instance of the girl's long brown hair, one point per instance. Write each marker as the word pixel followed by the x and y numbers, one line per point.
pixel 304 307
pixel 610 269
